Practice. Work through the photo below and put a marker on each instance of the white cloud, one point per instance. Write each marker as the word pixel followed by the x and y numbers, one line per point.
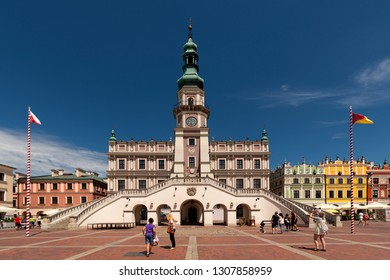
pixel 47 153
pixel 377 75
pixel 292 98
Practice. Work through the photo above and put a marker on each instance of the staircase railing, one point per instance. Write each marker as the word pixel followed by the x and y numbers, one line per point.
pixel 80 211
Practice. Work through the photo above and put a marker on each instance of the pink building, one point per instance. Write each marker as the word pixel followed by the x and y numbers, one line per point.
pixel 59 190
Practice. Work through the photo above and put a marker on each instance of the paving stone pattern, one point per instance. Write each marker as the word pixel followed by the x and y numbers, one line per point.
pixel 371 242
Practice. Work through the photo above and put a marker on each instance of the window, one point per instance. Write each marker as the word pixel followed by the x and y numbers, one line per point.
pixel 83 199
pixel 256 183
pixel 142 184
pixel 70 186
pixel 360 194
pixel 141 164
pixel 191 162
pixel 240 164
pixel 376 180
pixel 121 164
pixel 295 181
pixel 318 193
pixel 318 180
pixel 41 186
pixel 2 196
pixel 222 181
pixel 239 183
pixel 307 181
pixel 2 177
pixel 41 200
pixel 296 194
pixel 54 200
pixel 191 142
pixel 307 193
pixel 221 164
pixel 340 194
pixel 340 181
pixel 69 200
pixel 388 193
pixel 331 194
pixel 375 193
pixel 360 180
pixel 256 164
pixel 190 100
pixel 121 185
pixel 55 186
pixel 83 186
pixel 161 164
pixel 331 181
pixel 348 194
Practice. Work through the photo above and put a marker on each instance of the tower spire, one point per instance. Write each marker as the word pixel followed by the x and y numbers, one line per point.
pixel 190 29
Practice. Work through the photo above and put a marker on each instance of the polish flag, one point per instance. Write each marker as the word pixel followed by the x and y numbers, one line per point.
pixel 34 119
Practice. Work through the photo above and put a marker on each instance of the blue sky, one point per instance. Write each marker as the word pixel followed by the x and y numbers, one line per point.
pixel 290 67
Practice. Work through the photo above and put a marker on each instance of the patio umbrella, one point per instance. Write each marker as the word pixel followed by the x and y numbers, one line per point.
pixel 51 212
pixel 377 205
pixel 7 209
pixel 324 206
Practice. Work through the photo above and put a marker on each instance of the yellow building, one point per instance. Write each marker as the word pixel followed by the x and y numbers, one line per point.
pixel 337 180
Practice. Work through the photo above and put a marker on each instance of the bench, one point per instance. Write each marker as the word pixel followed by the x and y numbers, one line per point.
pixel 111 225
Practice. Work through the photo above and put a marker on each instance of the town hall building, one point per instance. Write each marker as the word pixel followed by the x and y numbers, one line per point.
pixel 201 181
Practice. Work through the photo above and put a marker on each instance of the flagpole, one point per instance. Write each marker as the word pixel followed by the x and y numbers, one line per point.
pixel 351 168
pixel 28 175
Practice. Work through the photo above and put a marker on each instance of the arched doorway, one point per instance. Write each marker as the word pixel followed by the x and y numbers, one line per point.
pixel 191 213
pixel 141 215
pixel 163 211
pixel 219 214
pixel 243 214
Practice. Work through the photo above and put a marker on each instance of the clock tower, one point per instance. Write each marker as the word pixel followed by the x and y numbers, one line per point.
pixel 191 115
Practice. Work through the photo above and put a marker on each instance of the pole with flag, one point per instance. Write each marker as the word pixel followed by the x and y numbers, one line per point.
pixel 358 119
pixel 34 119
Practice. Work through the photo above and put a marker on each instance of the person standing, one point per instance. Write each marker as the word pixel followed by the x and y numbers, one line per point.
pixel 320 229
pixel 287 222
pixel 361 215
pixel 17 222
pixel 171 230
pixel 294 221
pixel 275 222
pixel 281 223
pixel 149 231
pixel 366 218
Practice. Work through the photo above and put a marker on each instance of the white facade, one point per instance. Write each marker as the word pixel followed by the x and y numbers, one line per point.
pixel 200 181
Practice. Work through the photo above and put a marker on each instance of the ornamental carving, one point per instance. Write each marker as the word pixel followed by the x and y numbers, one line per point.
pixel 191 191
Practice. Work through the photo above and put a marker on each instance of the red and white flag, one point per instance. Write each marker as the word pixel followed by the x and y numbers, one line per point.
pixel 33 118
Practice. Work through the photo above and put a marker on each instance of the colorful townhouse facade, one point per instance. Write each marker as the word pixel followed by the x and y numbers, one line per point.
pixel 338 180
pixel 302 182
pixel 6 186
pixel 59 190
pixel 330 182
pixel 379 183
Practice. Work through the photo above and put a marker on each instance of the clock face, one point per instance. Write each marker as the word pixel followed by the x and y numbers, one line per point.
pixel 191 121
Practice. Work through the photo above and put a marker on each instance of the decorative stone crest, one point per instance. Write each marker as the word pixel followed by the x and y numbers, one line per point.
pixel 191 191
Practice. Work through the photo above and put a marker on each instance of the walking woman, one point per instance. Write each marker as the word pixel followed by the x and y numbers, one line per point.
pixel 171 230
pixel 149 231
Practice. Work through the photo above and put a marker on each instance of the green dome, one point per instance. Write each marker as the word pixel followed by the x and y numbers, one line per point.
pixel 112 138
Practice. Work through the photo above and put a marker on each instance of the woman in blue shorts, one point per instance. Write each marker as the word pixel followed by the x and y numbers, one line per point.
pixel 149 231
